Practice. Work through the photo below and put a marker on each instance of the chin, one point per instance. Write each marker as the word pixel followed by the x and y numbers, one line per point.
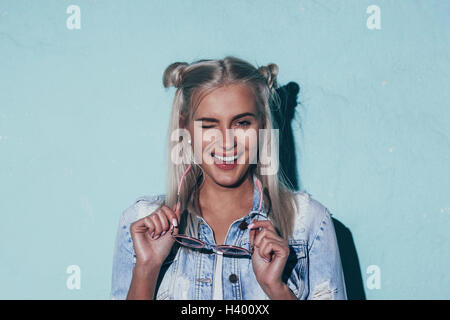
pixel 227 178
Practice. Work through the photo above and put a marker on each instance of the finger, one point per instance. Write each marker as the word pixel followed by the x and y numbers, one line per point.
pixel 176 209
pixel 138 226
pixel 261 224
pixel 158 227
pixel 269 247
pixel 169 217
pixel 265 234
pixel 138 231
pixel 173 213
pixel 176 214
pixel 149 225
pixel 164 223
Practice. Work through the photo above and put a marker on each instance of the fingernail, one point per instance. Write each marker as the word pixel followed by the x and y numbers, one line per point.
pixel 266 260
pixel 156 237
pixel 251 225
pixel 163 233
pixel 175 223
pixel 152 234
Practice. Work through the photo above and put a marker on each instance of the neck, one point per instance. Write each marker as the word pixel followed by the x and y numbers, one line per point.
pixel 236 201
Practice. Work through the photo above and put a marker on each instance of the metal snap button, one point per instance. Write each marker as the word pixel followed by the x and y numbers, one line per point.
pixel 233 278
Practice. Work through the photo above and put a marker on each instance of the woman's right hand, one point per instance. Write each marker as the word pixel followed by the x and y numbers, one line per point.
pixel 151 235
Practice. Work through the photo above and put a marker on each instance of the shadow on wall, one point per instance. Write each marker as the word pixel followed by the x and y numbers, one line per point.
pixel 283 117
pixel 350 262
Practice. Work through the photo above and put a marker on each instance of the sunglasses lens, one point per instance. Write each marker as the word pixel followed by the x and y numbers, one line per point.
pixel 232 251
pixel 189 242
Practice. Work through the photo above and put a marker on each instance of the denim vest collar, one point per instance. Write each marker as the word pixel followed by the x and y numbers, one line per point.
pixel 256 198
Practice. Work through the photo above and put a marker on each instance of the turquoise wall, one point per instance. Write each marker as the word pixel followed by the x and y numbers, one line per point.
pixel 83 119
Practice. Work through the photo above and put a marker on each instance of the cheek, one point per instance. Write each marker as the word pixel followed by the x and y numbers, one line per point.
pixel 202 148
pixel 207 142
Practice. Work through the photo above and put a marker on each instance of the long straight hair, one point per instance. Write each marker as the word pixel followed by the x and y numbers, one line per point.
pixel 193 82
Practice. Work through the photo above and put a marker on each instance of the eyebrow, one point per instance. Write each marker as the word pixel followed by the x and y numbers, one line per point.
pixel 234 118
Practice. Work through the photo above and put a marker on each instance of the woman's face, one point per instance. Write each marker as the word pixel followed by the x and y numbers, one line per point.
pixel 215 135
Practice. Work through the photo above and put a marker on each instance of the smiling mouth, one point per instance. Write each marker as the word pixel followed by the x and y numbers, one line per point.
pixel 229 160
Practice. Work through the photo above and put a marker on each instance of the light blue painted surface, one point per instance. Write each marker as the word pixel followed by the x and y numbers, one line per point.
pixel 83 124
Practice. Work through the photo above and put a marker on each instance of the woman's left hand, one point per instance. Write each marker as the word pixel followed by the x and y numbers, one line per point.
pixel 269 256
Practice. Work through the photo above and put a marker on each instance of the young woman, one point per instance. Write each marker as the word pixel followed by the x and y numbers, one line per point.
pixel 229 227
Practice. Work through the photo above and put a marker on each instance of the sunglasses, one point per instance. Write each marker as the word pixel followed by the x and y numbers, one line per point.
pixel 195 243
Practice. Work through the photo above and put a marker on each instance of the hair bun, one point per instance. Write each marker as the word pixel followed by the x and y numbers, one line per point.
pixel 173 75
pixel 270 72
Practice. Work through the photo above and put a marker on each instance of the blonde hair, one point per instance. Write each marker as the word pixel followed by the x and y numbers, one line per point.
pixel 194 81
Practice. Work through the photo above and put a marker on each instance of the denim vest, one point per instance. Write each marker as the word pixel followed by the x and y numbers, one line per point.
pixel 313 269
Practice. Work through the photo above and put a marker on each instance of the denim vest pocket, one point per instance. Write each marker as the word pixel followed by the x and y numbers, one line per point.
pixel 294 273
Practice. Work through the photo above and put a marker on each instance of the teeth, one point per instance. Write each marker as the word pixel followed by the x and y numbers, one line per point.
pixel 226 159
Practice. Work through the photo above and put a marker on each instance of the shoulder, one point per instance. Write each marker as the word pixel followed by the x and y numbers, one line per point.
pixel 141 207
pixel 310 216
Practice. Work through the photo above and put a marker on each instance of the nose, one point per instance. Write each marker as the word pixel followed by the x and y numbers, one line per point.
pixel 229 142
